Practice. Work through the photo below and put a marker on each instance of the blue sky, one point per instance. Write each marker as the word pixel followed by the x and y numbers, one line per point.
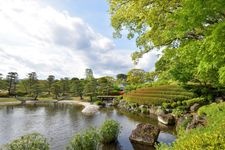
pixel 63 38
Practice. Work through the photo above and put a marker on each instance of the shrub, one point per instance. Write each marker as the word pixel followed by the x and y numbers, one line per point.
pixel 190 102
pixel 109 131
pixel 87 140
pixel 34 141
pixel 178 112
pixel 174 104
pixel 99 103
pixel 179 103
pixel 211 136
pixel 166 105
pixel 4 94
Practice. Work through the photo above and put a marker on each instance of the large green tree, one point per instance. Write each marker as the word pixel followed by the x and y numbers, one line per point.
pixel 50 81
pixel 105 85
pixel 190 33
pixel 12 79
pixel 90 88
pixel 77 87
pixel 3 83
pixel 136 76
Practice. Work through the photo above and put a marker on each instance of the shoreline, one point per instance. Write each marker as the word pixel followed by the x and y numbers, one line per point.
pixel 89 109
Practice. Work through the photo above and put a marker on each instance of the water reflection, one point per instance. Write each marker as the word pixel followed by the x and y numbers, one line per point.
pixel 61 122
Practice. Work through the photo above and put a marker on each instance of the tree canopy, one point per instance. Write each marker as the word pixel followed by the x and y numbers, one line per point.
pixel 190 33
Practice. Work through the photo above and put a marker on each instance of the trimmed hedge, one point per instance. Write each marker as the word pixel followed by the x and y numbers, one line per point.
pixel 158 95
pixel 191 102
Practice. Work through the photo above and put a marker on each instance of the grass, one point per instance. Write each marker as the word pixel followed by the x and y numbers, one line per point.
pixel 8 100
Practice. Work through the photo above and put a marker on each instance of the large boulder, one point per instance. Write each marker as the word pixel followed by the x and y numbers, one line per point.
pixel 145 134
pixel 90 109
pixel 196 122
pixel 166 119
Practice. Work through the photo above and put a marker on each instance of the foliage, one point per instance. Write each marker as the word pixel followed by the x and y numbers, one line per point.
pixel 158 95
pixel 4 94
pixel 100 103
pixel 50 81
pixel 212 136
pixel 65 85
pixel 190 34
pixel 136 76
pixel 109 131
pixel 12 79
pixel 87 140
pixel 191 102
pixel 77 87
pixel 90 88
pixel 105 85
pixel 34 141
pixel 56 89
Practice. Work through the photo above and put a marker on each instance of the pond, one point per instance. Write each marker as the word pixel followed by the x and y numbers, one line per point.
pixel 58 123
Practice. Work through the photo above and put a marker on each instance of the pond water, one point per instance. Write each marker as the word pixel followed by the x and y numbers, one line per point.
pixel 58 123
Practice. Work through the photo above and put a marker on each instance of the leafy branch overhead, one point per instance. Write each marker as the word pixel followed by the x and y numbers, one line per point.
pixel 190 33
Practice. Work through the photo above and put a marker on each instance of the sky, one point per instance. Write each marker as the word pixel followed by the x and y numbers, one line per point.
pixel 63 38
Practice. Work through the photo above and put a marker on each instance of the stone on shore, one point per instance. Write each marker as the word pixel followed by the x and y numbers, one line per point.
pixel 145 134
pixel 166 119
pixel 90 109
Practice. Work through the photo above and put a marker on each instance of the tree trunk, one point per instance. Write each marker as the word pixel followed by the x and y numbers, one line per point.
pixel 91 98
pixel 81 97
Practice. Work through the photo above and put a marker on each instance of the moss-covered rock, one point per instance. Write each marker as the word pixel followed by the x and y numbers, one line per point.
pixel 145 134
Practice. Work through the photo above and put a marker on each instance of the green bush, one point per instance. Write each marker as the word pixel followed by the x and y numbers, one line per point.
pixel 166 105
pixel 87 140
pixel 174 104
pixel 99 103
pixel 109 131
pixel 191 102
pixel 19 93
pixel 34 141
pixel 209 137
pixel 4 94
pixel 177 112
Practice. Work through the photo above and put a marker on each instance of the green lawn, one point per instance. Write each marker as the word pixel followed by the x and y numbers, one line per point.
pixel 8 100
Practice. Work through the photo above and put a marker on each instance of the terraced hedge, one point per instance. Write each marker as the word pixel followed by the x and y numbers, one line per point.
pixel 158 95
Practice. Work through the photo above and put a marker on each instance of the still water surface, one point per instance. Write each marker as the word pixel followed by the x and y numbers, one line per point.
pixel 60 122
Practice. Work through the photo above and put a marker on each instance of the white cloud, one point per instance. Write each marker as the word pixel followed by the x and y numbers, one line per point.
pixel 37 37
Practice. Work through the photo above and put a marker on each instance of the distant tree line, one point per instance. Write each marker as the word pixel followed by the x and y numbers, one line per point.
pixel 33 87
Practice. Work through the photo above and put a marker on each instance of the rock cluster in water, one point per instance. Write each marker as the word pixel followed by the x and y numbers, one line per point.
pixel 144 134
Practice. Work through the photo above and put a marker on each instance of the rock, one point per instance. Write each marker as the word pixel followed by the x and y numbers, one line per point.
pixel 152 110
pixel 159 111
pixel 142 147
pixel 145 134
pixel 166 119
pixel 219 100
pixel 183 121
pixel 195 107
pixel 90 109
pixel 196 122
